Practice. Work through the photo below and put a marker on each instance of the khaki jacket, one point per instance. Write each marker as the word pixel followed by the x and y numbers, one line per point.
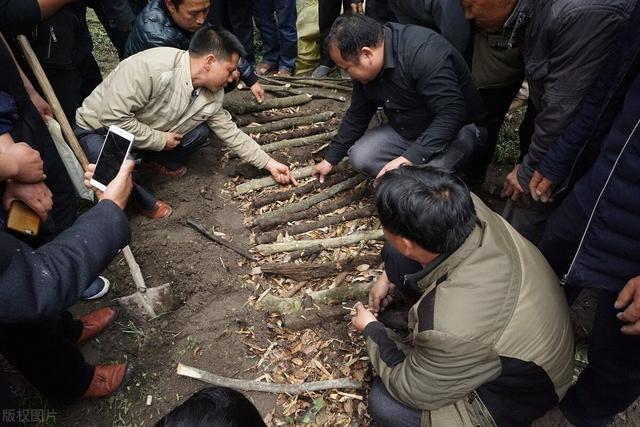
pixel 150 93
pixel 491 341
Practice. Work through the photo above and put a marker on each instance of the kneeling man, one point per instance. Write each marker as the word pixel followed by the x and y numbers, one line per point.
pixel 490 341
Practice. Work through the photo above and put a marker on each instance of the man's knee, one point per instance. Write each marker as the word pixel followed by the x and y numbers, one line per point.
pixel 361 159
pixel 197 136
pixel 388 412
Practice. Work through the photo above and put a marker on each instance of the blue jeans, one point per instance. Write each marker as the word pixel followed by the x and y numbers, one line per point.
pixel 276 20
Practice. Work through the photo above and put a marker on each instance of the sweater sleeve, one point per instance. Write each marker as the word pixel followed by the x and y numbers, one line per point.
pixel 40 283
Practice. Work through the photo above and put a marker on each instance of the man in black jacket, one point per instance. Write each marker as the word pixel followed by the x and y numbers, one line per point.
pixel 424 87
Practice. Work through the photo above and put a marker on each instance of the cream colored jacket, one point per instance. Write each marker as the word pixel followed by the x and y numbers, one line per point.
pixel 150 93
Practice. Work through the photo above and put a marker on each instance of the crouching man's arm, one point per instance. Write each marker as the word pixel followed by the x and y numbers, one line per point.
pixel 438 370
pixel 246 148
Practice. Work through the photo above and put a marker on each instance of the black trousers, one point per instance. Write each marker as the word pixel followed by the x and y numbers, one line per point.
pixel 46 354
pixel 237 18
pixel 328 11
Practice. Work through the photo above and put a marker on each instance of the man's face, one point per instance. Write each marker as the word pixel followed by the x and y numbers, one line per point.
pixel 489 15
pixel 361 69
pixel 220 72
pixel 190 15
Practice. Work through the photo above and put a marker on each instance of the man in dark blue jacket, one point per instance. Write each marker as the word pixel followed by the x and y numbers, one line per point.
pixel 593 239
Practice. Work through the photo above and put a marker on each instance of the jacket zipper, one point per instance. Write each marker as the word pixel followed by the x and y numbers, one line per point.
pixel 52 38
pixel 565 277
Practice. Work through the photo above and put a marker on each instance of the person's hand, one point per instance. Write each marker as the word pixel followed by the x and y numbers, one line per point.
pixel 37 196
pixel 119 188
pixel 280 173
pixel 41 105
pixel 258 92
pixel 357 7
pixel 362 318
pixel 393 164
pixel 380 294
pixel 172 140
pixel 512 188
pixel 26 162
pixel 540 187
pixel 321 170
pixel 629 297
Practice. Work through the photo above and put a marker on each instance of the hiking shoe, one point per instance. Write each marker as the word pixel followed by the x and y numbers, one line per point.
pixel 97 289
pixel 322 71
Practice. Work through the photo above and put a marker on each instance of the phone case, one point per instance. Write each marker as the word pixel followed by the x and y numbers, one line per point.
pixel 23 219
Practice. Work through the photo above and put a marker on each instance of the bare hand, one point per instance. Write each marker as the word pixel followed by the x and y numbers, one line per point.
pixel 362 318
pixel 29 167
pixel 629 297
pixel 540 187
pixel 380 294
pixel 119 188
pixel 37 196
pixel 321 170
pixel 258 92
pixel 280 173
pixel 393 164
pixel 512 188
pixel 356 7
pixel 172 140
pixel 41 105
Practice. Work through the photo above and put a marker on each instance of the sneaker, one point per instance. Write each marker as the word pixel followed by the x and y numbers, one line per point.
pixel 97 289
pixel 284 72
pixel 322 71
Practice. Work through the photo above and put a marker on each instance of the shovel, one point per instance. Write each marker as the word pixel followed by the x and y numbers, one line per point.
pixel 146 302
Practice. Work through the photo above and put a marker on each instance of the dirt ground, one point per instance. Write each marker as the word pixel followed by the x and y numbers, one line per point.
pixel 215 325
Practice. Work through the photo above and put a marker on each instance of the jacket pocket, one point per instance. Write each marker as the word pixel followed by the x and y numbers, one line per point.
pixel 55 39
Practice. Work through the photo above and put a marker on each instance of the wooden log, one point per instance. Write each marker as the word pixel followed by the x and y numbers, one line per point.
pixel 310 187
pixel 313 200
pixel 305 319
pixel 323 208
pixel 322 79
pixel 250 385
pixel 311 252
pixel 346 292
pixel 291 134
pixel 289 123
pixel 246 107
pixel 329 243
pixel 286 91
pixel 305 83
pixel 292 230
pixel 262 117
pixel 298 142
pixel 309 271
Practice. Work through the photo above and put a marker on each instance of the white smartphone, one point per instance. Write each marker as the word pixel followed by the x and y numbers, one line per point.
pixel 115 150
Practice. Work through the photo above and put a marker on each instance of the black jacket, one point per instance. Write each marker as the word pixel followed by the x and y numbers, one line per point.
pixel 425 89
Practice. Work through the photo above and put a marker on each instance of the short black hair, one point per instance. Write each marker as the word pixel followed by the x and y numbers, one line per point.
pixel 426 205
pixel 353 31
pixel 214 406
pixel 219 42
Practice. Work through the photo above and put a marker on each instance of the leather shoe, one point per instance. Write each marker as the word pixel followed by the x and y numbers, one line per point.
pixel 160 210
pixel 96 322
pixel 160 169
pixel 107 379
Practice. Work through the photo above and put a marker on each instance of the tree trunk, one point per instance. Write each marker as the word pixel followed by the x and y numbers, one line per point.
pixel 251 106
pixel 309 271
pixel 333 242
pixel 289 123
pixel 292 230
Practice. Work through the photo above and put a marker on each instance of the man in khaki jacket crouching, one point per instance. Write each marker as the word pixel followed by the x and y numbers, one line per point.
pixel 169 99
pixel 490 340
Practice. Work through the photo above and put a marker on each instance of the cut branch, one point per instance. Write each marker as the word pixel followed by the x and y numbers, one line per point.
pixel 250 107
pixel 298 142
pixel 312 318
pixel 307 83
pixel 333 242
pixel 309 271
pixel 291 134
pixel 292 230
pixel 323 208
pixel 250 385
pixel 289 123
pixel 302 205
pixel 263 117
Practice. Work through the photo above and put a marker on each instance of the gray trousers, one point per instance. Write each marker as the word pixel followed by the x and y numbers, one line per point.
pixel 378 146
pixel 387 411
pixel 529 222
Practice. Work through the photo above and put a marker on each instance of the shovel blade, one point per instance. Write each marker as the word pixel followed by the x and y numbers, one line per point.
pixel 150 304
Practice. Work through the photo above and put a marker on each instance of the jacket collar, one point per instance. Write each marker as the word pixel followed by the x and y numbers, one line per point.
pixel 389 60
pixel 514 27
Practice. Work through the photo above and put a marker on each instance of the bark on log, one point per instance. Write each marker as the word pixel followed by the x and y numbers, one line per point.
pixel 250 385
pixel 291 134
pixel 322 79
pixel 310 187
pixel 346 292
pixel 261 118
pixel 312 318
pixel 251 107
pixel 309 271
pixel 298 142
pixel 322 208
pixel 313 200
pixel 292 230
pixel 287 91
pixel 307 83
pixel 333 242
pixel 289 123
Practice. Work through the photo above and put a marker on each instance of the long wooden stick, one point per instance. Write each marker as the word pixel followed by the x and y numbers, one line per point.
pixel 200 229
pixel 310 187
pixel 250 385
pixel 262 117
pixel 289 123
pixel 289 101
pixel 50 95
pixel 302 132
pixel 309 270
pixel 333 242
pixel 298 142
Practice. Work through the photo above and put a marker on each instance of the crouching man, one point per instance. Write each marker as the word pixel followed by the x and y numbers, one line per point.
pixel 490 339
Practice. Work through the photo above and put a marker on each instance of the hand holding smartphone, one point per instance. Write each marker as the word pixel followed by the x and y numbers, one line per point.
pixel 115 149
pixel 23 219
